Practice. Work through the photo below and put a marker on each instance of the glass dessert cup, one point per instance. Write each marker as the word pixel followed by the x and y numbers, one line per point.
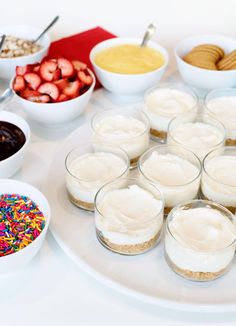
pixel 199 264
pixel 126 224
pixel 105 162
pixel 163 165
pixel 157 113
pixel 209 133
pixel 219 177
pixel 133 145
pixel 221 110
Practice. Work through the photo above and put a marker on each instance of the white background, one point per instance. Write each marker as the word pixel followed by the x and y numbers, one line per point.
pixel 52 290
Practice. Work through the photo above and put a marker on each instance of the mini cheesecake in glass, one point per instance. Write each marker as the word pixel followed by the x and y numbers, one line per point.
pixel 129 216
pixel 126 127
pixel 175 171
pixel 200 240
pixel 197 132
pixel 219 177
pixel 221 103
pixel 164 102
pixel 89 167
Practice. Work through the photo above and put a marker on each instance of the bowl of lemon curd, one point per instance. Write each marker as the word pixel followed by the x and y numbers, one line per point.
pixel 123 67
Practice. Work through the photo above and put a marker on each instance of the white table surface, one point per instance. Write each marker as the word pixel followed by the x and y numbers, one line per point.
pixel 52 290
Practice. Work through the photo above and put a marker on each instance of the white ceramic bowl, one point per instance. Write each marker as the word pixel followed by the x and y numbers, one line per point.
pixel 8 65
pixel 56 113
pixel 204 78
pixel 13 163
pixel 17 260
pixel 128 84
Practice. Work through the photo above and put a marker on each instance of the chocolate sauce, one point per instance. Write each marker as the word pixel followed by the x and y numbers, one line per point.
pixel 12 139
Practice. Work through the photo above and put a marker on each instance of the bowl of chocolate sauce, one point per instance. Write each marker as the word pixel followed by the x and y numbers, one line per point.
pixel 14 140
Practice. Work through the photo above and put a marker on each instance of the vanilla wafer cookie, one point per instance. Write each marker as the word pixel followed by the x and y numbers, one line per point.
pixel 228 62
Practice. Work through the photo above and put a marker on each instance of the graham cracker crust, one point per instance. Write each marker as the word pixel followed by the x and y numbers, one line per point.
pixel 232 209
pixel 80 203
pixel 134 249
pixel 158 133
pixel 134 161
pixel 230 142
pixel 195 276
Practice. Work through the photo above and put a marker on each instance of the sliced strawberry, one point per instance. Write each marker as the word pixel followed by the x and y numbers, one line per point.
pixel 49 89
pixel 86 79
pixel 20 71
pixel 72 89
pixel 33 80
pixel 47 70
pixel 36 68
pixel 29 92
pixel 61 84
pixel 57 74
pixel 66 67
pixel 78 65
pixel 63 98
pixel 19 84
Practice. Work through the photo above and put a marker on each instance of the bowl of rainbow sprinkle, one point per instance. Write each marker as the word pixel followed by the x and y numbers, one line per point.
pixel 24 221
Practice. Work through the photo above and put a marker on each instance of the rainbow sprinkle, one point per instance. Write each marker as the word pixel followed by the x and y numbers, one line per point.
pixel 21 222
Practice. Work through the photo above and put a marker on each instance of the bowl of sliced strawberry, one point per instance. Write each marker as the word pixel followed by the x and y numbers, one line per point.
pixel 53 91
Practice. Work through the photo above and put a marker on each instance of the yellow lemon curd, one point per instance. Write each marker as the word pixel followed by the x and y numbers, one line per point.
pixel 129 59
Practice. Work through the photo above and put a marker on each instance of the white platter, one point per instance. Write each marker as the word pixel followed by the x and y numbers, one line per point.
pixel 145 277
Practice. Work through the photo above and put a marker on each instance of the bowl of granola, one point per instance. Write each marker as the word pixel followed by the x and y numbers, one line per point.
pixel 19 48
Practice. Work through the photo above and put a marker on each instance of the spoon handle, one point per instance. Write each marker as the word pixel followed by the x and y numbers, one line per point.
pixel 2 42
pixel 46 29
pixel 151 29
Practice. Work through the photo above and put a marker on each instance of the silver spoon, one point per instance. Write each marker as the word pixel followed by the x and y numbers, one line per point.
pixel 46 29
pixel 151 29
pixel 2 42
pixel 6 96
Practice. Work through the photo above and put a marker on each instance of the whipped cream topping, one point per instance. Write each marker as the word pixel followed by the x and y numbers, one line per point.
pixel 222 168
pixel 202 229
pixel 224 109
pixel 169 169
pixel 119 127
pixel 129 215
pixel 95 169
pixel 169 102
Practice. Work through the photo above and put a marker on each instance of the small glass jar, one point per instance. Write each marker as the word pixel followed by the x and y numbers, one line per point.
pixel 196 247
pixel 221 103
pixel 175 171
pixel 89 167
pixel 129 216
pixel 124 127
pixel 219 177
pixel 199 133
pixel 164 102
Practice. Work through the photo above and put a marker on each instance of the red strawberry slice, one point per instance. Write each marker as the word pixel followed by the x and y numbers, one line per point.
pixel 57 74
pixel 20 71
pixel 49 89
pixel 19 84
pixel 78 65
pixel 33 80
pixel 63 98
pixel 72 89
pixel 61 84
pixel 86 79
pixel 36 68
pixel 66 67
pixel 47 70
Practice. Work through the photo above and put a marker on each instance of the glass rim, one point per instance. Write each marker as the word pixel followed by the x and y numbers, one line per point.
pixel 209 203
pixel 197 115
pixel 135 181
pixel 172 146
pixel 176 85
pixel 147 121
pixel 207 157
pixel 127 160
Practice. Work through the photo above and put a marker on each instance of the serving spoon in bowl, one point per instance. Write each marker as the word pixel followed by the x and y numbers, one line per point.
pixel 46 29
pixel 150 31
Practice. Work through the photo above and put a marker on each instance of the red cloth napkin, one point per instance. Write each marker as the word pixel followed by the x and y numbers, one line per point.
pixel 78 46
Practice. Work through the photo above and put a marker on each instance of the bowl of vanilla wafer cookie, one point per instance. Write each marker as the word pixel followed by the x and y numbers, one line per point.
pixel 207 61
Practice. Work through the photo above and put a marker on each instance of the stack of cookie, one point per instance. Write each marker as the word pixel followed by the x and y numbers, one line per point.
pixel 212 57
